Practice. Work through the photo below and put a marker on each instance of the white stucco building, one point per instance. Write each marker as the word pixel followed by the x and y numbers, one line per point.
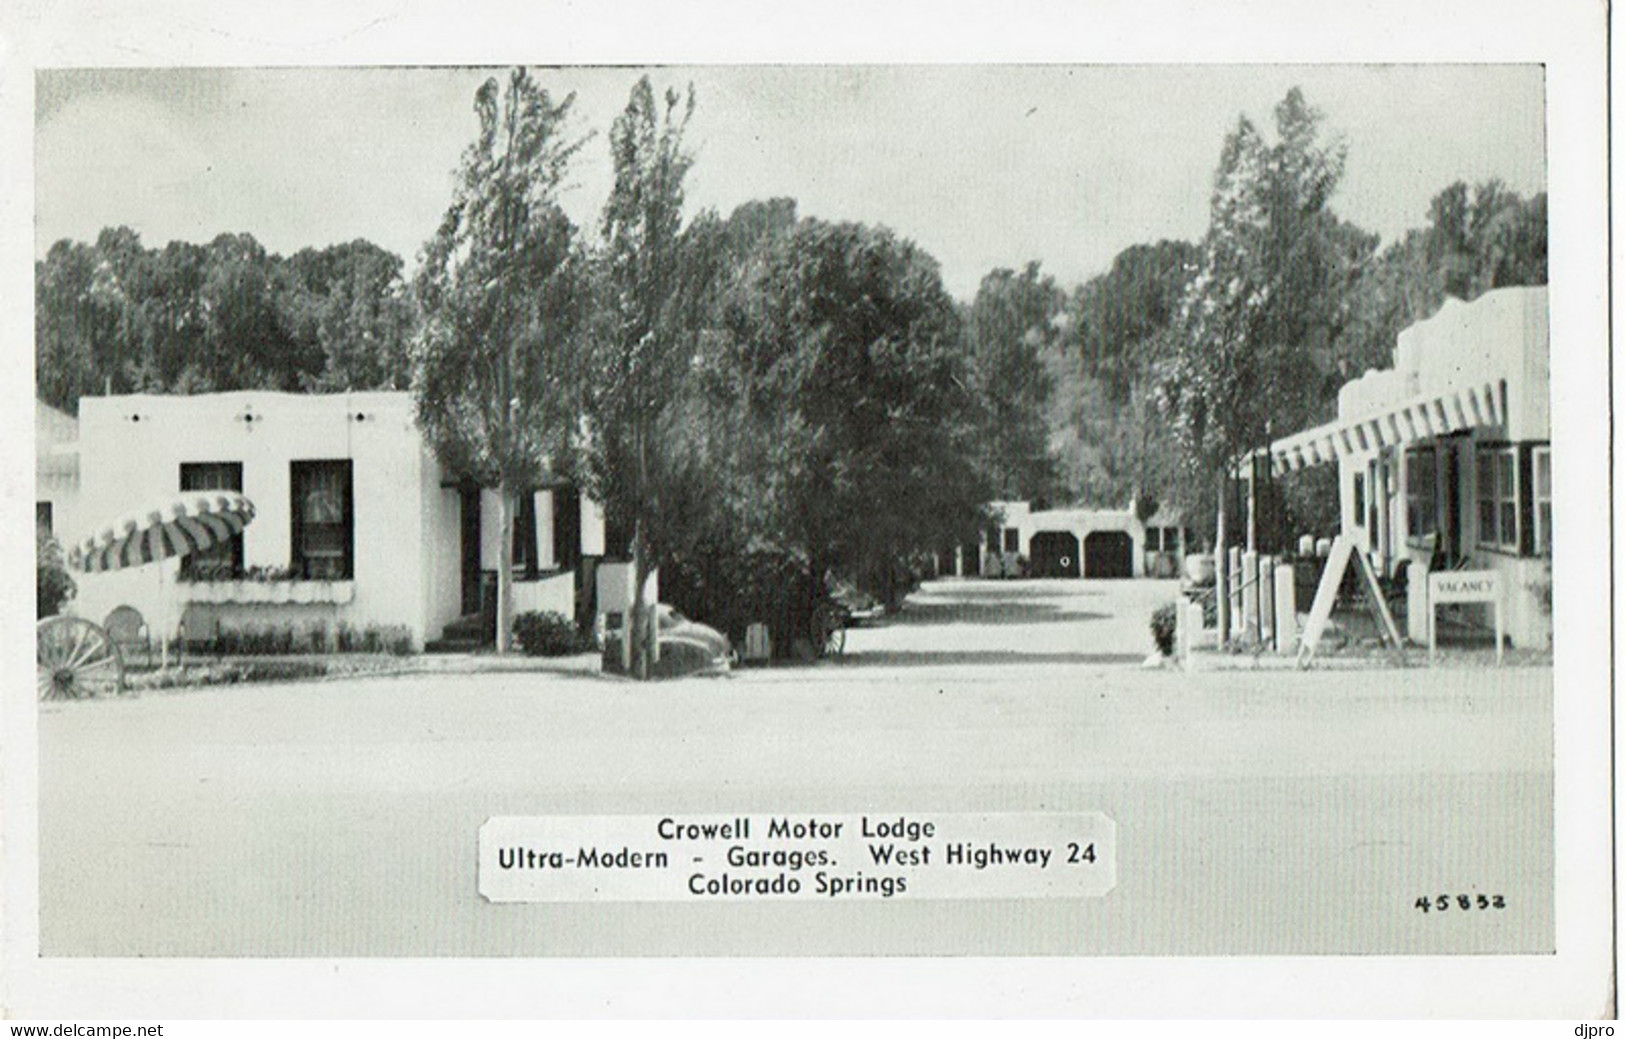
pixel 356 521
pixel 56 469
pixel 1444 460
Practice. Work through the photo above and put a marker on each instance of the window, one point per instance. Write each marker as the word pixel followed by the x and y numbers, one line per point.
pixel 1012 539
pixel 524 537
pixel 1497 486
pixel 323 521
pixel 566 527
pixel 1542 458
pixel 42 517
pixel 1153 539
pixel 1170 539
pixel 1373 488
pixel 1421 492
pixel 1359 498
pixel 224 560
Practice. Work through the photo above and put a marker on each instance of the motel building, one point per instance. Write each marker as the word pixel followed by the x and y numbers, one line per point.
pixel 1444 460
pixel 1093 543
pixel 356 521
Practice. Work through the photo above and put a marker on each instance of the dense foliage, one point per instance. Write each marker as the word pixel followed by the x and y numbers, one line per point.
pixel 117 317
pixel 1013 324
pixel 548 634
pixel 53 586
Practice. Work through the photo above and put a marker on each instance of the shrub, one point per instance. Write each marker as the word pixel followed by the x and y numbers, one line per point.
pixel 546 634
pixel 52 585
pixel 1164 625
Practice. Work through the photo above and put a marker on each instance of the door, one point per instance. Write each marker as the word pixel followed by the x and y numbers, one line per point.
pixel 1054 553
pixel 469 499
pixel 1108 553
pixel 1452 538
pixel 970 555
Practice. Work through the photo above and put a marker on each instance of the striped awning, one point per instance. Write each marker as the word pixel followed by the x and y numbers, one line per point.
pixel 190 523
pixel 1420 418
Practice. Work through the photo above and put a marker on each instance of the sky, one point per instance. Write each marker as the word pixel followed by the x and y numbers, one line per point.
pixel 984 166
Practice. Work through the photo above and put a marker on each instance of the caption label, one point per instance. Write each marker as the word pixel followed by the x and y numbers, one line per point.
pixel 654 858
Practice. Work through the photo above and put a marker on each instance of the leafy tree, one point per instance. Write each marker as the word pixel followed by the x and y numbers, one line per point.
pixel 1118 332
pixel 357 311
pixel 653 291
pixel 247 343
pixel 1013 326
pixel 863 403
pixel 1269 297
pixel 174 311
pixel 499 295
pixel 114 316
pixel 53 586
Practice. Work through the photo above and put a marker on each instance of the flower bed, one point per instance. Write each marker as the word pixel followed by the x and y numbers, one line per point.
pixel 249 591
pixel 239 670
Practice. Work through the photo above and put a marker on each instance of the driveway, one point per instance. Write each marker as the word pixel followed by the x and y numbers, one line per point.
pixel 1006 622
pixel 1259 813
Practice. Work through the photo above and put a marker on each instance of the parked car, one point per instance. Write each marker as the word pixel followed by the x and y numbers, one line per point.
pixel 686 647
pixel 857 607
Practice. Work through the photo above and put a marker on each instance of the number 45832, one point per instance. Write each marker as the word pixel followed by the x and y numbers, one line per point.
pixel 1445 903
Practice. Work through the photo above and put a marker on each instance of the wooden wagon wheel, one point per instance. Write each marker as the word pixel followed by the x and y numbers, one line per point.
pixel 76 659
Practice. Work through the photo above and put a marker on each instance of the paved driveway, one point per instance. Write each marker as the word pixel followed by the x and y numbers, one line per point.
pixel 1003 622
pixel 1269 812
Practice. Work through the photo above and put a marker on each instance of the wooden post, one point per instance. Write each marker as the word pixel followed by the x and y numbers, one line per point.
pixel 1266 599
pixel 1250 630
pixel 1286 611
pixel 1238 621
pixel 1252 502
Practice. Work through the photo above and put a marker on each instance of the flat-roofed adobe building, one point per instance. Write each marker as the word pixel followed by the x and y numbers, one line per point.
pixel 356 523
pixel 1093 543
pixel 1444 460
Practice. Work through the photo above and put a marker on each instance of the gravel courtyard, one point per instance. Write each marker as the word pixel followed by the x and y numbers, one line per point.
pixel 1257 812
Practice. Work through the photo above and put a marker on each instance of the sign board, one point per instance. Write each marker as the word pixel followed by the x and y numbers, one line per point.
pixel 1448 586
pixel 1345 553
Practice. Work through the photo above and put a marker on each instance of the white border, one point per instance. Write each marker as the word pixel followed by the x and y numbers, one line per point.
pixel 1567 36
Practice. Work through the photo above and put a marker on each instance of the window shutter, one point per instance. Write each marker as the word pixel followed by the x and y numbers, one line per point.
pixel 1526 501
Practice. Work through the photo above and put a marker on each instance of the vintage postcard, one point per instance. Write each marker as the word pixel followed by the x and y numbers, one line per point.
pixel 689 512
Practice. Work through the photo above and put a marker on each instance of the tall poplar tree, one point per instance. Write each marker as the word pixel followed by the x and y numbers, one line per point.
pixel 498 293
pixel 645 336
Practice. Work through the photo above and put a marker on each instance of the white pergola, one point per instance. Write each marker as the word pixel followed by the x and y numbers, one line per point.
pixel 1422 417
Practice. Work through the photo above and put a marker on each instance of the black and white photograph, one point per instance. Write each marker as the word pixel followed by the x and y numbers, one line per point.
pixel 1110 513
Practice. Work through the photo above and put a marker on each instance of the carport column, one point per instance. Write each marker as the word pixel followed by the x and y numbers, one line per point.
pixel 1238 620
pixel 1249 597
pixel 1286 611
pixel 1418 610
pixel 1266 598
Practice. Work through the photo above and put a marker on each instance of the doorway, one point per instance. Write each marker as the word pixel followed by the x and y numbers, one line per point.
pixel 1055 554
pixel 1108 553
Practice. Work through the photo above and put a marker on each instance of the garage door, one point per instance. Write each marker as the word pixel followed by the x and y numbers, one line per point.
pixel 1054 553
pixel 1108 553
